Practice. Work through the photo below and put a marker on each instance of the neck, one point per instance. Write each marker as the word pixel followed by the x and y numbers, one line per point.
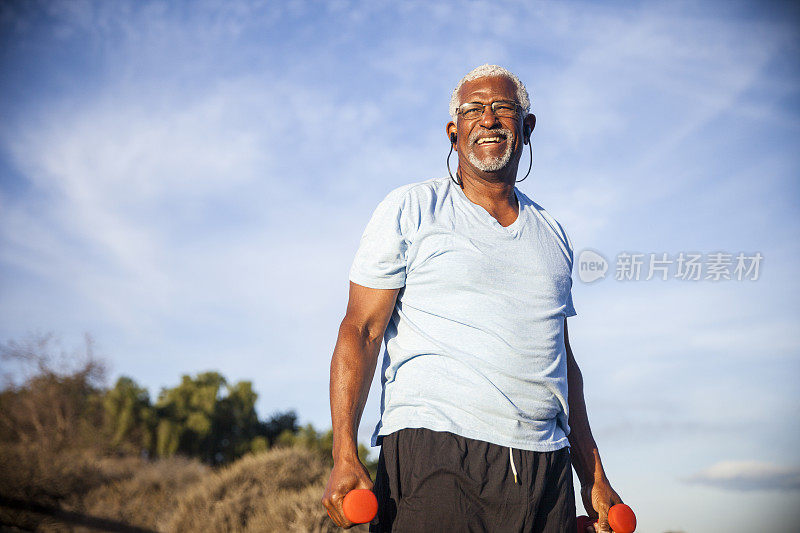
pixel 494 189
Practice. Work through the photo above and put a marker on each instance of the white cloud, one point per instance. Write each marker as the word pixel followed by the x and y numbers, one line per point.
pixel 748 476
pixel 123 188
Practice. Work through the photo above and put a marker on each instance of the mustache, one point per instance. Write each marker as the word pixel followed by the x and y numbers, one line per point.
pixel 476 134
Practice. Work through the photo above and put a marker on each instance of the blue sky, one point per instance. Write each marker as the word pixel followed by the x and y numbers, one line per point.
pixel 188 183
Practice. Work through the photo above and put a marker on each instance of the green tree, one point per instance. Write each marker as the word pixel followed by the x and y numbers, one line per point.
pixel 205 417
pixel 235 422
pixel 186 416
pixel 129 417
pixel 278 424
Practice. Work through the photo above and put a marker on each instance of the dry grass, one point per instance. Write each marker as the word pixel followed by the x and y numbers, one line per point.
pixel 45 478
pixel 38 474
pixel 279 490
pixel 148 498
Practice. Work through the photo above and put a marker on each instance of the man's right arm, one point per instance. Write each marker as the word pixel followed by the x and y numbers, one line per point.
pixel 352 368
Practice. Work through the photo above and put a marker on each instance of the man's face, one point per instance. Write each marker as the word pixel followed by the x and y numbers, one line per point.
pixel 489 142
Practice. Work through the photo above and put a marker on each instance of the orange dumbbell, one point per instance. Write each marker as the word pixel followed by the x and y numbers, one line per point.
pixel 360 506
pixel 620 518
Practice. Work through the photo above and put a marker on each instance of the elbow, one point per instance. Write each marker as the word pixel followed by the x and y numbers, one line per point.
pixel 361 331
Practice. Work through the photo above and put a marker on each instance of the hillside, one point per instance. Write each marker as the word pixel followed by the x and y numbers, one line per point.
pixel 277 490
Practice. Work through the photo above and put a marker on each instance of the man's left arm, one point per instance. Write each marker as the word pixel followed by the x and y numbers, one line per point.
pixel 596 491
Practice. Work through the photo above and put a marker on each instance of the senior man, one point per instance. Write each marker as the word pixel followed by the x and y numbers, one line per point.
pixel 469 282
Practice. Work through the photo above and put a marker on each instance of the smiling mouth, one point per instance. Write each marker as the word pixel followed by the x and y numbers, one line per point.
pixel 490 140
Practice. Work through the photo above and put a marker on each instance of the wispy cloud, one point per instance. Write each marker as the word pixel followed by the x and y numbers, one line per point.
pixel 748 476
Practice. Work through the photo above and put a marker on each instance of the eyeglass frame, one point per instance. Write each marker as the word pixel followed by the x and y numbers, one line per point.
pixel 518 108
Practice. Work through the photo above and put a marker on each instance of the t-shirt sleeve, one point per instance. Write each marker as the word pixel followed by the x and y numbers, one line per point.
pixel 569 310
pixel 380 262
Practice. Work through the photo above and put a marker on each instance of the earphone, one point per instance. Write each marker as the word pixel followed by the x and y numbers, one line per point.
pixel 453 138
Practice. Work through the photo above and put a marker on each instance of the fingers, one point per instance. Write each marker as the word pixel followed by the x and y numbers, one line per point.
pixel 333 504
pixel 602 525
pixel 344 478
pixel 332 500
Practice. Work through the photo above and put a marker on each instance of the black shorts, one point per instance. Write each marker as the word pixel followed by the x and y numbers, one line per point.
pixel 430 481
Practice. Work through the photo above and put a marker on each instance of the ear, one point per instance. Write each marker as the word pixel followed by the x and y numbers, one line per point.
pixel 528 123
pixel 452 134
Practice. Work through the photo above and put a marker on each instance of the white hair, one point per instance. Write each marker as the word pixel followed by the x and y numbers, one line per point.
pixel 490 71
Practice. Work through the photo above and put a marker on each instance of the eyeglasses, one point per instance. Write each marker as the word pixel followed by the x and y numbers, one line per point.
pixel 501 108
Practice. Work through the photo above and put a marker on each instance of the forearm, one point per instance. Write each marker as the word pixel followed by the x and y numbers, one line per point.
pixel 584 453
pixel 352 367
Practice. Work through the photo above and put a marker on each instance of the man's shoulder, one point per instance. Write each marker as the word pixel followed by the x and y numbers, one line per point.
pixel 551 221
pixel 418 190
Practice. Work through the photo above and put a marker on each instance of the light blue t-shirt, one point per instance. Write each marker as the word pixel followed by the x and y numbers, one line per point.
pixel 475 344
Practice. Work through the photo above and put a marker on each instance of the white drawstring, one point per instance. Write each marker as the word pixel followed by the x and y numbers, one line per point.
pixel 513 468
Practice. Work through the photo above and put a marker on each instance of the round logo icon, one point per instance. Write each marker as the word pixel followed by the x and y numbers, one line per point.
pixel 591 266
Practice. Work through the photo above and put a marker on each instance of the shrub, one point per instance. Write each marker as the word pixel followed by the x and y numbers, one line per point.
pixel 41 478
pixel 148 498
pixel 57 403
pixel 279 490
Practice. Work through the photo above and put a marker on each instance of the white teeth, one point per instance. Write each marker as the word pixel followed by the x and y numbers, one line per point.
pixel 489 139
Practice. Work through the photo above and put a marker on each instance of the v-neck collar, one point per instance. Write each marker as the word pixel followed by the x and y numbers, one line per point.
pixel 486 217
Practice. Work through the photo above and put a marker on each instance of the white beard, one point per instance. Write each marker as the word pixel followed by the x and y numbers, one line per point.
pixel 491 164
